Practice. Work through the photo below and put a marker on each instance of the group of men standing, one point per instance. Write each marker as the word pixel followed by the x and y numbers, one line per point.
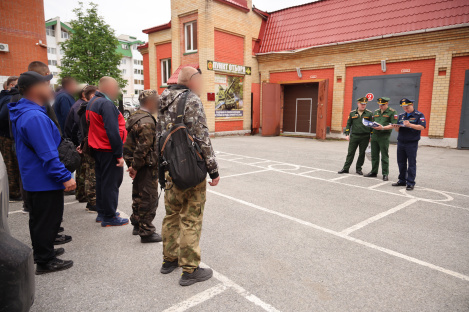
pixel 105 141
pixel 359 134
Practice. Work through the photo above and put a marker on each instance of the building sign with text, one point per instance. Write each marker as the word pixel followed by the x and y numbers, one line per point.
pixel 229 68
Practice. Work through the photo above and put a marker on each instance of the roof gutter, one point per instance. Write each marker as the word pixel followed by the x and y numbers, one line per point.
pixel 427 30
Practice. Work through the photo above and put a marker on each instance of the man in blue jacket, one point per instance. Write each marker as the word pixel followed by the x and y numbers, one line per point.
pixel 64 100
pixel 44 177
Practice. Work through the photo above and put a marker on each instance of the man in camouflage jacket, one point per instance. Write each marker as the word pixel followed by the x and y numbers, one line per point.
pixel 140 155
pixel 182 225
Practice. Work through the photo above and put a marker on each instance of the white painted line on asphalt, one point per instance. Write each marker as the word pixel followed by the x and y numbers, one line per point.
pixel 349 238
pixel 319 169
pixel 310 171
pixel 243 292
pixel 353 185
pixel 259 162
pixel 340 178
pixel 368 221
pixel 198 298
pixel 70 203
pixel 15 211
pixel 246 173
pixel 378 185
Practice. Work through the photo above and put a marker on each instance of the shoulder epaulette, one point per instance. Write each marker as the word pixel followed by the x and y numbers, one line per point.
pixel 368 110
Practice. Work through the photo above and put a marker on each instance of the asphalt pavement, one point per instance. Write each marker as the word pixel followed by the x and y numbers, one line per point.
pixel 284 232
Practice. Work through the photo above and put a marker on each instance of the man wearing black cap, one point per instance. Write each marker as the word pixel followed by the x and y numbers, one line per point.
pixel 44 176
pixel 409 125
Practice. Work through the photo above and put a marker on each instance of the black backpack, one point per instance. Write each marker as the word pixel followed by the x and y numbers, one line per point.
pixel 180 154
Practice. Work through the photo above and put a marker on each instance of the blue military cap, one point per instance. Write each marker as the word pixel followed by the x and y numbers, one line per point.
pixel 405 102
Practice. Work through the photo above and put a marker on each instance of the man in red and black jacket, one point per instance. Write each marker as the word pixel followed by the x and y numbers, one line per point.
pixel 106 136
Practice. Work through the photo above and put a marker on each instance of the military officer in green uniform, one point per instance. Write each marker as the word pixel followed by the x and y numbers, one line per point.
pixel 386 117
pixel 358 135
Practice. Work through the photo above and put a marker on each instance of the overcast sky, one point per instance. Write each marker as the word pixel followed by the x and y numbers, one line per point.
pixel 130 17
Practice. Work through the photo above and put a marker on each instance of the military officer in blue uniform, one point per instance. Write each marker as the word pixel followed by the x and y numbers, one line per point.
pixel 409 125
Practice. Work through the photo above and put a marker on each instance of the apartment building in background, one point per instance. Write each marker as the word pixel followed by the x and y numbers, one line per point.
pixel 131 64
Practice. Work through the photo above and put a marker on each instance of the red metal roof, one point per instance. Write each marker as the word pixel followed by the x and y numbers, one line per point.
pixel 333 21
pixel 174 77
pixel 142 46
pixel 239 4
pixel 157 28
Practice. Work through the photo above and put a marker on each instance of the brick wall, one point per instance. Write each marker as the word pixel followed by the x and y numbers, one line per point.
pixel 188 58
pixel 146 71
pixel 22 25
pixel 229 48
pixel 221 126
pixel 327 73
pixel 456 87
pixel 426 67
pixel 163 51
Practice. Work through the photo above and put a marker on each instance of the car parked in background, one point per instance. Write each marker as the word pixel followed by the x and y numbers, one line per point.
pixel 129 109
pixel 16 260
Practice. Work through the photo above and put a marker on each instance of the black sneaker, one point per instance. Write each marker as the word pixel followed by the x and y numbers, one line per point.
pixel 57 252
pixel 169 267
pixel 343 171
pixel 399 184
pixel 153 238
pixel 409 188
pixel 199 275
pixel 62 239
pixel 135 230
pixel 371 175
pixel 53 265
pixel 91 208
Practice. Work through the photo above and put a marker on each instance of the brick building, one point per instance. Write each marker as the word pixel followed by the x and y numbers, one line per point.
pixel 299 70
pixel 22 36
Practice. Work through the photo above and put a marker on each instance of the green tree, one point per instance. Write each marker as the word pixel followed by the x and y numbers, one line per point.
pixel 90 53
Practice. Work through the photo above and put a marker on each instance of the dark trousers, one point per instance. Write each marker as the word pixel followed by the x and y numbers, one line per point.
pixel 46 214
pixel 407 161
pixel 359 141
pixel 108 180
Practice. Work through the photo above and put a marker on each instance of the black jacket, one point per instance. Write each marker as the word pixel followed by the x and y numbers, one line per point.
pixel 5 98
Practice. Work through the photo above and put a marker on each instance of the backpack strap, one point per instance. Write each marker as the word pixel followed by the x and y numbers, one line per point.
pixel 181 107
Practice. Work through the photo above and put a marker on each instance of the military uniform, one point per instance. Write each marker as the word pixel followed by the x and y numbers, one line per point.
pixel 407 146
pixel 9 157
pixel 89 180
pixel 80 180
pixel 182 225
pixel 359 137
pixel 140 153
pixel 380 139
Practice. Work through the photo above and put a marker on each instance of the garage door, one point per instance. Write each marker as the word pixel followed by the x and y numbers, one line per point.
pixel 395 87
pixel 300 108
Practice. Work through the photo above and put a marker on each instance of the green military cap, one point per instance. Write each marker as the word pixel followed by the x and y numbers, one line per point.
pixel 146 93
pixel 363 100
pixel 405 102
pixel 383 100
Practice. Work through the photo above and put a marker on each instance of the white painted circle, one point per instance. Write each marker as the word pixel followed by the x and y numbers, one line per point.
pixel 287 167
pixel 446 199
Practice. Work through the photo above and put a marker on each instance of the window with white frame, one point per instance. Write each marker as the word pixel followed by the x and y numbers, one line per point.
pixel 61 51
pixel 50 31
pixel 135 62
pixel 65 35
pixel 123 61
pixel 52 62
pixel 125 47
pixel 165 71
pixel 52 50
pixel 190 35
pixel 124 71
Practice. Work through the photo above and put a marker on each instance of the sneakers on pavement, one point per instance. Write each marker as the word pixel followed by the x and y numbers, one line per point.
pixel 153 238
pixel 53 265
pixel 91 208
pixel 169 266
pixel 62 239
pixel 116 221
pixel 57 252
pixel 199 275
pixel 99 218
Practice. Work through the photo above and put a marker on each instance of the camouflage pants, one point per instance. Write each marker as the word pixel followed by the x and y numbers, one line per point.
pixel 182 225
pixel 11 162
pixel 144 200
pixel 80 194
pixel 89 179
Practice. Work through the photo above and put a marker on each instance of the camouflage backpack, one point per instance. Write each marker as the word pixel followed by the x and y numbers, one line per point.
pixel 180 154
